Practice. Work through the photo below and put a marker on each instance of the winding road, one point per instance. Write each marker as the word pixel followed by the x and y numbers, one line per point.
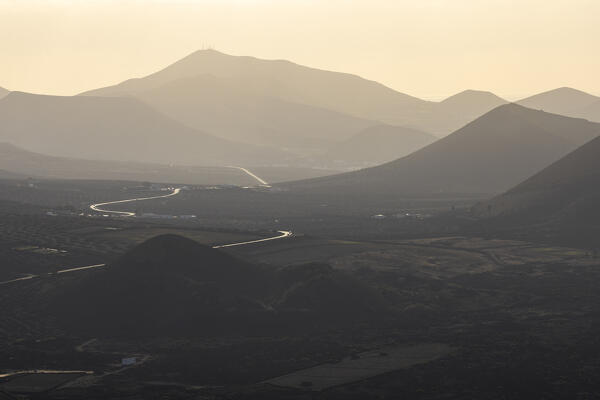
pixel 96 207
pixel 174 192
pixel 259 179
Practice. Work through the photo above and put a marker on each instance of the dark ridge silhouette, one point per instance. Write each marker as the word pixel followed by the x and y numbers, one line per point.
pixel 3 92
pixel 174 286
pixel 566 101
pixel 489 155
pixel 123 129
pixel 26 163
pixel 375 145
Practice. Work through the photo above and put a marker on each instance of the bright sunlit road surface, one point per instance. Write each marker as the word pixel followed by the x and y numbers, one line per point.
pixel 96 207
pixel 283 235
pixel 259 179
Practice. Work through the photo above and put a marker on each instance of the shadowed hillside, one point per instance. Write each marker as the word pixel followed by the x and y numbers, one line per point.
pixel 3 92
pixel 489 155
pixel 561 201
pixel 233 110
pixel 122 129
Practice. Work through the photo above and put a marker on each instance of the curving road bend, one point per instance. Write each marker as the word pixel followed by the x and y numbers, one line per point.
pixel 96 207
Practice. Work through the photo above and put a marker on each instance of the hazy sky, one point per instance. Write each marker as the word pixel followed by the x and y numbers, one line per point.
pixel 427 48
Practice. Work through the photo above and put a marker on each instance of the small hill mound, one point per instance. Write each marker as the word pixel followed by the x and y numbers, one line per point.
pixel 167 284
pixel 170 285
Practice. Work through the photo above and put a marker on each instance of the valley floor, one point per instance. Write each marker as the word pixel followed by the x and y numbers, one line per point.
pixel 506 318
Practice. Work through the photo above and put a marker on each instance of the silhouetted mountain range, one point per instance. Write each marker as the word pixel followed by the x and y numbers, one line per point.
pixel 3 92
pixel 115 128
pixel 293 84
pixel 489 155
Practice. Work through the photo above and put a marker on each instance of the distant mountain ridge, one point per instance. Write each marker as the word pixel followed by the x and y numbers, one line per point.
pixel 3 92
pixel 489 155
pixel 334 91
pixel 562 184
pixel 566 101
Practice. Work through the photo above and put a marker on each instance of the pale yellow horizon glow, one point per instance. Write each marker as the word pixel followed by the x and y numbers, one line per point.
pixel 426 48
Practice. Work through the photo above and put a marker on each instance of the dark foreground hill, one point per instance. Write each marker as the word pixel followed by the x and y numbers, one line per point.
pixel 3 92
pixel 121 129
pixel 170 285
pixel 489 155
pixel 560 201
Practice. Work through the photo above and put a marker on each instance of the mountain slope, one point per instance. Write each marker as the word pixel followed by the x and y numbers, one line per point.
pixel 3 92
pixel 564 101
pixel 489 155
pixel 114 129
pixel 375 145
pixel 233 110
